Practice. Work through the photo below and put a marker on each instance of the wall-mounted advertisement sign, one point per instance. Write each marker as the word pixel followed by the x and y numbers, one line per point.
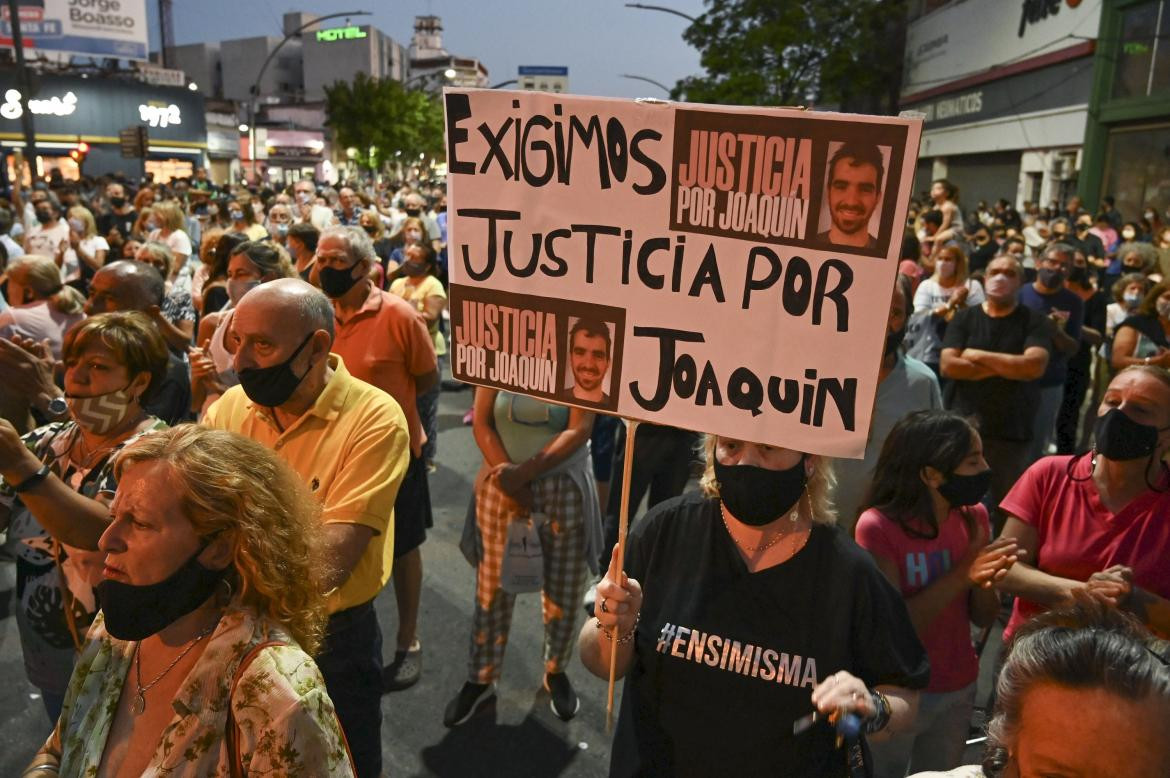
pixel 92 28
pixel 968 37
pixel 100 108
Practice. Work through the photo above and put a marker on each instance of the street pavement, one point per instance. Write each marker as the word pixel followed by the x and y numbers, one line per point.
pixel 517 736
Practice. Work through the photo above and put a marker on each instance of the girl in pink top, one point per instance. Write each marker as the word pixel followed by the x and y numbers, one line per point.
pixel 929 536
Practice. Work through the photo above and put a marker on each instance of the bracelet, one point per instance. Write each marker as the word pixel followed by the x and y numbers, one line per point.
pixel 43 769
pixel 32 480
pixel 626 638
pixel 881 718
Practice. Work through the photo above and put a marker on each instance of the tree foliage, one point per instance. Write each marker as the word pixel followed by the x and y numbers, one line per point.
pixel 798 52
pixel 381 119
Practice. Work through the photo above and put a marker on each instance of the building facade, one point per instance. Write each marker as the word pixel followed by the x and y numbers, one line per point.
pixel 543 78
pixel 338 53
pixel 1005 87
pixel 432 67
pixel 1127 142
pixel 241 60
pixel 69 110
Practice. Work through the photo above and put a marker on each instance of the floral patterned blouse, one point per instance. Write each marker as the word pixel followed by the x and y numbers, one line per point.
pixel 287 722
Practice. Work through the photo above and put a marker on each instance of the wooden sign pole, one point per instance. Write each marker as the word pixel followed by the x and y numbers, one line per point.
pixel 623 526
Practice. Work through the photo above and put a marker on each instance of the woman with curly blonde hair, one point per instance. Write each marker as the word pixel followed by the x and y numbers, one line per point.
pixel 743 610
pixel 200 661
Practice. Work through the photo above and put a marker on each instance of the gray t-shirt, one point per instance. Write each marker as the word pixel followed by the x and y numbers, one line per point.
pixel 910 386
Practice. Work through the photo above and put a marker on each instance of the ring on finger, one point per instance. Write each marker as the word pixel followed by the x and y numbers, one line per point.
pixel 604 607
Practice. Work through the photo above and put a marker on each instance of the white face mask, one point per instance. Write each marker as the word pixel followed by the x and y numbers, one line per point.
pixel 238 287
pixel 101 413
pixel 414 236
pixel 946 268
pixel 1000 287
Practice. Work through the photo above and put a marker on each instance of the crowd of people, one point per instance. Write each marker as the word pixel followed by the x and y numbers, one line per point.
pixel 219 417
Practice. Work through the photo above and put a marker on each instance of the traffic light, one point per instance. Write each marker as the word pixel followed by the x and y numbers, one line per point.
pixel 79 152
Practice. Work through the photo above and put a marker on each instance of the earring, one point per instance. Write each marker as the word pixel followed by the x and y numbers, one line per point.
pixel 227 597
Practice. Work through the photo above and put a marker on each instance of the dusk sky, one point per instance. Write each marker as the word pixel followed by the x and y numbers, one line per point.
pixel 597 39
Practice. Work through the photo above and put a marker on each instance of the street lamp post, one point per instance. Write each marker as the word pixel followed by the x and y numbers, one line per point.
pixel 26 117
pixel 255 91
pixel 662 8
pixel 658 84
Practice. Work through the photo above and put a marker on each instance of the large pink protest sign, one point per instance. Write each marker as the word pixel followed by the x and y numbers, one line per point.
pixel 721 269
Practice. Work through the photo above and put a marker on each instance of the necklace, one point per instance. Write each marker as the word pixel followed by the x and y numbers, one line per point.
pixel 139 705
pixel 87 457
pixel 792 533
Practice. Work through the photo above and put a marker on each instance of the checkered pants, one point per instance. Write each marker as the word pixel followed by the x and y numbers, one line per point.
pixel 562 540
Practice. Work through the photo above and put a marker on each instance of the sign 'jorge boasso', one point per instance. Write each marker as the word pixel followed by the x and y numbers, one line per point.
pixel 721 269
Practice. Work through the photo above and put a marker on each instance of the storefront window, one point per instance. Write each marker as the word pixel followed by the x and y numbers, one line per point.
pixel 166 169
pixel 1137 168
pixel 1143 59
pixel 45 167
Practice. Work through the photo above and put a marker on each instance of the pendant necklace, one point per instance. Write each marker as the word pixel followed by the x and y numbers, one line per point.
pixel 793 517
pixel 138 706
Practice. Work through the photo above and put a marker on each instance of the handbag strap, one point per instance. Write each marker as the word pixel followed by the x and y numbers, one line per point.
pixel 236 764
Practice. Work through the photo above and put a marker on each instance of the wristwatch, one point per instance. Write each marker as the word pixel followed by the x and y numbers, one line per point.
pixel 57 407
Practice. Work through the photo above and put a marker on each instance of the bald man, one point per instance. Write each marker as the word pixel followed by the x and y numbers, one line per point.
pixel 350 443
pixel 127 285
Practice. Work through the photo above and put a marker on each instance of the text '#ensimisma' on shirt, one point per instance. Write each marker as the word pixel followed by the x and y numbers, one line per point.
pixel 726 660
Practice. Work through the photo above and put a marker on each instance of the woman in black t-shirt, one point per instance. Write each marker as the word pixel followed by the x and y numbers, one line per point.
pixel 756 611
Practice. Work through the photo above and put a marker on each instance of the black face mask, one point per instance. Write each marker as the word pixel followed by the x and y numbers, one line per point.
pixel 1051 279
pixel 272 386
pixel 44 217
pixel 1119 437
pixel 335 283
pixel 137 612
pixel 1078 274
pixel 757 495
pixel 413 211
pixel 959 490
pixel 894 341
pixel 117 202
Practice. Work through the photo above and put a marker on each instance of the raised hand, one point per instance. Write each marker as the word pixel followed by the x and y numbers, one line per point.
pixel 619 599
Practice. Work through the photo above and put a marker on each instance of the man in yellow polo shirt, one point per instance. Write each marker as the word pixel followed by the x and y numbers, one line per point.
pixel 350 442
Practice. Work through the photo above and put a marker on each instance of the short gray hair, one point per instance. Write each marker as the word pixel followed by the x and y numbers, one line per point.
pixel 358 245
pixel 160 251
pixel 1060 248
pixel 1145 251
pixel 316 311
pixel 1086 645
